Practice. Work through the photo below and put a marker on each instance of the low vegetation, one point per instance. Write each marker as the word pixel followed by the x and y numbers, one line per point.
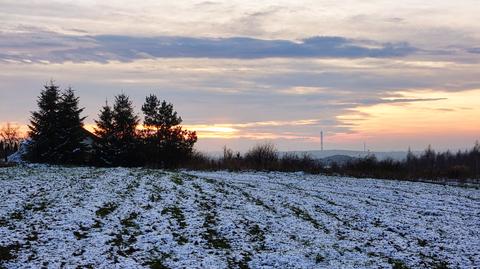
pixel 429 165
pixel 57 137
pixel 262 157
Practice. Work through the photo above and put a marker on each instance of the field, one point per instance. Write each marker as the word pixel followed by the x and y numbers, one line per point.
pixel 135 218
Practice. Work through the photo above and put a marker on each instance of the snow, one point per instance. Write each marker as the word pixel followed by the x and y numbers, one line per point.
pixel 18 156
pixel 135 218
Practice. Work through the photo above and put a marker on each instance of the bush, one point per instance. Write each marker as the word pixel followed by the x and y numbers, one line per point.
pixel 291 162
pixel 262 157
pixel 231 161
pixel 200 161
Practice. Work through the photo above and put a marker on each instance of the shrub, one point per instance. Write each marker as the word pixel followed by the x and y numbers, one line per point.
pixel 262 157
pixel 291 162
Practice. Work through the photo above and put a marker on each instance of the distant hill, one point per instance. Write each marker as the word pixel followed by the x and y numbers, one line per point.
pixel 337 159
pixel 381 155
pixel 339 156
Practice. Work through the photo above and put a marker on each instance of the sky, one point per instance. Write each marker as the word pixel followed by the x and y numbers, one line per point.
pixel 391 74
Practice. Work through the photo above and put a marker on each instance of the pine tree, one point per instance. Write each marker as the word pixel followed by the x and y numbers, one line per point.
pixel 165 143
pixel 105 131
pixel 70 149
pixel 150 111
pixel 44 126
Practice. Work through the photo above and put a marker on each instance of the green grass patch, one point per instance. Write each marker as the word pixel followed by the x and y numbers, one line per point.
pixel 257 235
pixel 106 209
pixel 176 179
pixel 17 215
pixel 241 263
pixel 397 264
pixel 177 214
pixel 303 214
pixel 129 221
pixel 213 238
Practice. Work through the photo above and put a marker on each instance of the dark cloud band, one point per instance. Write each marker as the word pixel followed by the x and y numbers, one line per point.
pixel 54 47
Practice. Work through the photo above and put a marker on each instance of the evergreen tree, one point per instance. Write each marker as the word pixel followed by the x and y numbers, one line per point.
pixel 70 149
pixel 125 129
pixel 166 144
pixel 118 143
pixel 124 118
pixel 150 111
pixel 44 126
pixel 105 131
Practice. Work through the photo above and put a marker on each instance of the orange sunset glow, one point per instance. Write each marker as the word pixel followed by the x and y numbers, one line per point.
pixel 452 112
pixel 230 134
pixel 371 77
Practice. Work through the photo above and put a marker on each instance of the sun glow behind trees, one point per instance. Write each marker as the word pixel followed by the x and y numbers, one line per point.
pixel 230 101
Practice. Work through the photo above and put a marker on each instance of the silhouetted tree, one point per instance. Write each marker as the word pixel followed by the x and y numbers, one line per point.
pixel 166 144
pixel 43 126
pixel 125 129
pixel 10 133
pixel 56 129
pixel 70 149
pixel 117 134
pixel 9 139
pixel 104 147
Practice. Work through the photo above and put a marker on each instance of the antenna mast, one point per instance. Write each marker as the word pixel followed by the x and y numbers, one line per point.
pixel 321 140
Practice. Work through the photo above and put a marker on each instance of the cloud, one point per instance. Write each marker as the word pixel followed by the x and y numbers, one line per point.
pixel 397 100
pixel 55 47
pixel 474 50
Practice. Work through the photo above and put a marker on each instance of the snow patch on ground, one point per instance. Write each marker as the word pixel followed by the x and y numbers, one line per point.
pixel 135 218
pixel 19 155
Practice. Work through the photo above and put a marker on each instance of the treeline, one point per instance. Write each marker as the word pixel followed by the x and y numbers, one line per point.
pixel 426 166
pixel 429 165
pixel 262 157
pixel 57 134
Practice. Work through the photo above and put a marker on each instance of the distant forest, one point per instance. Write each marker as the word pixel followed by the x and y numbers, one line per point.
pixel 157 140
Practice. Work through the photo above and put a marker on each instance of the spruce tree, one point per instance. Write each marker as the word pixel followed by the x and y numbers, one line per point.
pixel 125 132
pixel 116 129
pixel 105 131
pixel 70 149
pixel 124 118
pixel 44 126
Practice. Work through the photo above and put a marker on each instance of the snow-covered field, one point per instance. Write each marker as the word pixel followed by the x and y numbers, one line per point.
pixel 133 218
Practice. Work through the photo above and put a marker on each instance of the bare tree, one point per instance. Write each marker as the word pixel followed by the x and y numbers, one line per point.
pixel 10 134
